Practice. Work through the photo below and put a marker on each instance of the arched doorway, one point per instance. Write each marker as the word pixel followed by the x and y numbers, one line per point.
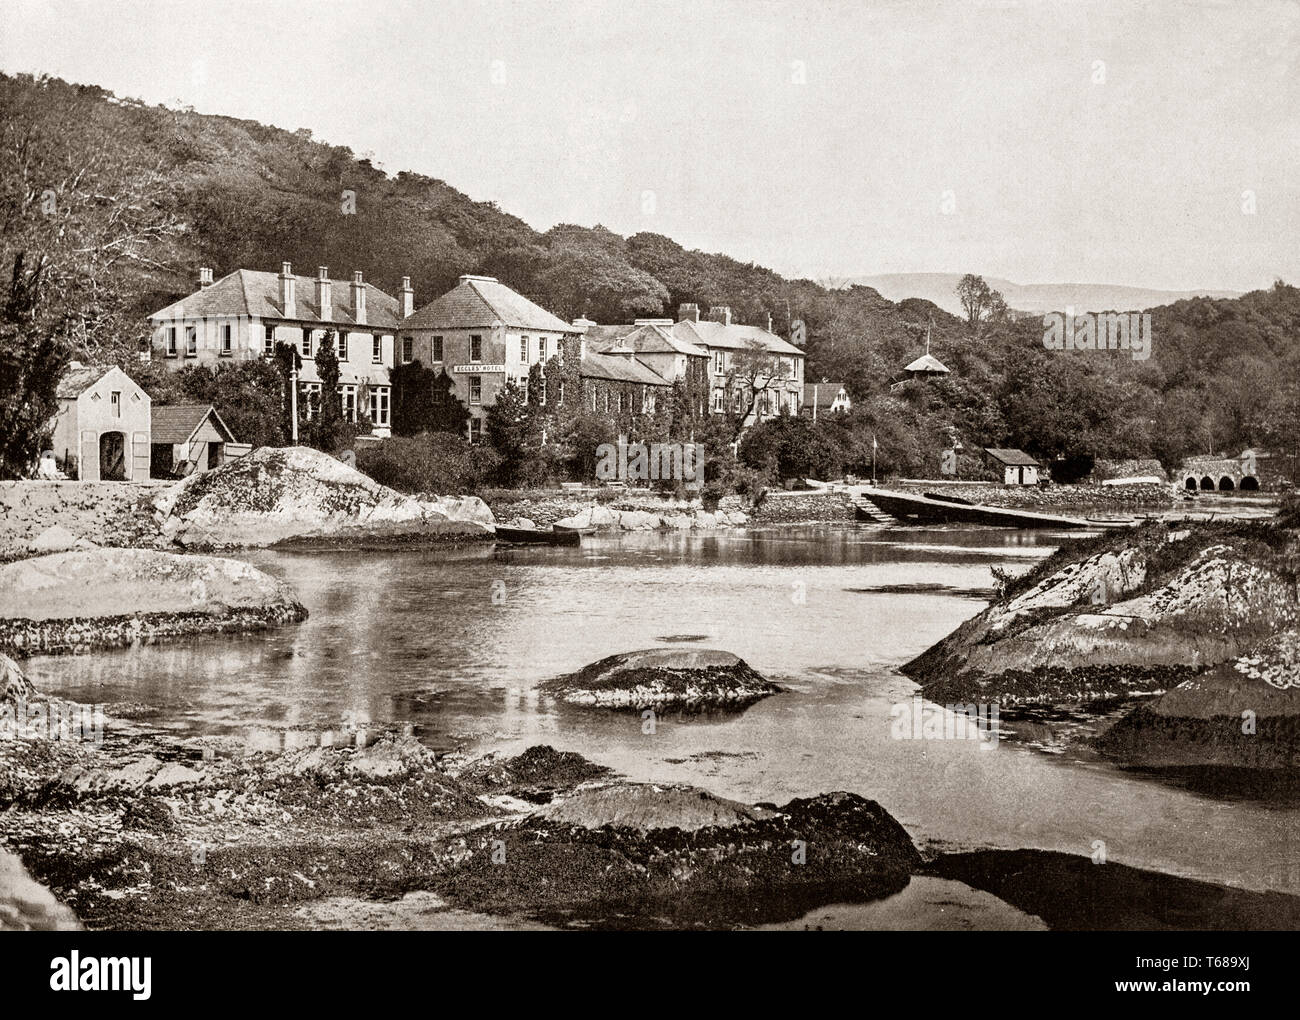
pixel 1226 484
pixel 1207 484
pixel 1250 484
pixel 1190 484
pixel 112 457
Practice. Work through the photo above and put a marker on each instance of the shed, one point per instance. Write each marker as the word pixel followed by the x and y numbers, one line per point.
pixel 188 438
pixel 1018 468
pixel 103 424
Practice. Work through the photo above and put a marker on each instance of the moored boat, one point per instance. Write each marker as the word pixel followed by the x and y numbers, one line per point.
pixel 537 536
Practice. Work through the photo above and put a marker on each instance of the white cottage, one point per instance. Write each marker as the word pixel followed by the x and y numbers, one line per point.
pixel 103 425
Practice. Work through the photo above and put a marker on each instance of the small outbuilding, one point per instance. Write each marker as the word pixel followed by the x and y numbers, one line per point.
pixel 188 438
pixel 824 398
pixel 103 424
pixel 1018 468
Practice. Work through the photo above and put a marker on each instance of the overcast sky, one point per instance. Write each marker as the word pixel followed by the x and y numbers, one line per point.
pixel 1041 142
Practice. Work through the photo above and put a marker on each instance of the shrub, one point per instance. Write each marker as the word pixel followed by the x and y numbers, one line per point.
pixel 434 462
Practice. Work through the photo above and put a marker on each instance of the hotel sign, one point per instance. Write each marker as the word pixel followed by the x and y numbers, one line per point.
pixel 479 369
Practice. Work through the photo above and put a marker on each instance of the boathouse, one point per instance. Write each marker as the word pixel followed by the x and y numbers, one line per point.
pixel 102 426
pixel 1018 468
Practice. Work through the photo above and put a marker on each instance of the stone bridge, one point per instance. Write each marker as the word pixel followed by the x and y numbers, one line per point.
pixel 1222 474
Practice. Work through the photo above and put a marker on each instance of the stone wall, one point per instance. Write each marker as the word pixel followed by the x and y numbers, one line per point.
pixel 1053 497
pixel 804 507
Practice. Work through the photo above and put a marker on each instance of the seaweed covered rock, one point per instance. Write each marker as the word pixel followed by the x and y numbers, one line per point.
pixel 297 493
pixel 1244 713
pixel 535 775
pixel 106 597
pixel 645 855
pixel 1136 618
pixel 664 678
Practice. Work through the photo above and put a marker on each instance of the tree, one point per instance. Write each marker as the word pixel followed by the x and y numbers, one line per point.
pixel 425 401
pixel 511 427
pixel 32 358
pixel 980 302
pixel 324 427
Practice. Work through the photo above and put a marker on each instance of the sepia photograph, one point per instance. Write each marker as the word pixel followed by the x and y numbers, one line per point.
pixel 650 465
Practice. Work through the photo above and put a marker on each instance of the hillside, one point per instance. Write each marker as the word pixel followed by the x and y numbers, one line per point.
pixel 124 202
pixel 1035 298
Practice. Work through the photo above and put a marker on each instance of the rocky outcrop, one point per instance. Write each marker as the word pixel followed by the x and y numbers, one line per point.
pixel 643 855
pixel 1137 617
pixel 1242 713
pixel 14 685
pixel 692 678
pixel 106 597
pixel 300 494
pixel 26 905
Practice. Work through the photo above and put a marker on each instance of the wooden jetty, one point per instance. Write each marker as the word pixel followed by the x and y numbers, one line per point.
pixel 907 506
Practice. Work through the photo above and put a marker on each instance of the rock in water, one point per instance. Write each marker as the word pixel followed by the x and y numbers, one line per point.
pixel 1112 625
pixel 106 597
pixel 1244 713
pixel 14 685
pixel 276 495
pixel 664 678
pixel 648 855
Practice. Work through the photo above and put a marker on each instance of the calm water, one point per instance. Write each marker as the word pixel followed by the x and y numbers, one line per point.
pixel 454 641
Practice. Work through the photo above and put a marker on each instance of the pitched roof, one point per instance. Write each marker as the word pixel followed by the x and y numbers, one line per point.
pixel 251 292
pixel 483 302
pixel 927 363
pixel 1012 458
pixel 601 337
pixel 655 340
pixel 824 394
pixel 176 423
pixel 734 337
pixel 79 378
pixel 616 369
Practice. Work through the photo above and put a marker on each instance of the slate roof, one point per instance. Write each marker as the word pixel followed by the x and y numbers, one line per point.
pixel 734 337
pixel 483 302
pixel 251 292
pixel 78 378
pixel 176 423
pixel 618 369
pixel 823 394
pixel 1012 458
pixel 655 340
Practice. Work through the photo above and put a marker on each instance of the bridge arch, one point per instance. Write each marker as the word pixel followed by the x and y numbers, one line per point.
pixel 1226 484
pixel 1207 484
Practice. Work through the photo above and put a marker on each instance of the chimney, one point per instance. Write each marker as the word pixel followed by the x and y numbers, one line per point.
pixel 358 299
pixel 688 313
pixel 406 296
pixel 324 302
pixel 720 313
pixel 288 300
pixel 205 277
pixel 769 322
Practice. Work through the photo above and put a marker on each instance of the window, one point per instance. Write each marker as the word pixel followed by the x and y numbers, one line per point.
pixel 541 348
pixel 225 338
pixel 348 397
pixel 717 401
pixel 437 348
pixel 377 349
pixel 561 393
pixel 268 341
pixel 607 400
pixel 171 341
pixel 475 348
pixel 476 389
pixel 306 342
pixel 720 362
pixel 475 429
pixel 379 406
pixel 618 402
pixel 115 402
pixel 646 404
pixel 593 398
pixel 310 400
pixel 523 350
pixel 735 402
pixel 191 341
pixel 408 350
pixel 341 344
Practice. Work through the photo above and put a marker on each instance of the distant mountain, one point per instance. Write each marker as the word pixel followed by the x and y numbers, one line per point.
pixel 941 288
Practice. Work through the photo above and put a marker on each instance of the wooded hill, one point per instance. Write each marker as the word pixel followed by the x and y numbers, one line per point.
pixel 144 195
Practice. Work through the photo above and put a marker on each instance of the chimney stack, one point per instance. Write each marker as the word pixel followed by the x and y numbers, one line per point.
pixel 406 297
pixel 720 313
pixel 205 277
pixel 769 322
pixel 288 299
pixel 688 313
pixel 324 301
pixel 358 299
